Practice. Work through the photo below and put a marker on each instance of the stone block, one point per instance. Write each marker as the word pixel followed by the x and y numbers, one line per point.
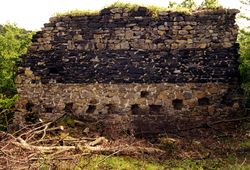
pixel 202 45
pixel 161 33
pixel 77 37
pixel 117 16
pixel 71 45
pixel 227 45
pixel 188 27
pixel 162 28
pixel 47 47
pixel 124 45
pixel 183 32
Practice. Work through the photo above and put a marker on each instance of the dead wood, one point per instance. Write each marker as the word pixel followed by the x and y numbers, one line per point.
pixel 128 150
pixel 98 141
pixel 211 124
pixel 23 144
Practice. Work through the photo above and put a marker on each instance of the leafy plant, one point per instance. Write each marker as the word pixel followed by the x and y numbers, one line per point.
pixel 210 4
pixel 7 75
pixel 172 4
pixel 190 4
pixel 14 42
pixel 244 41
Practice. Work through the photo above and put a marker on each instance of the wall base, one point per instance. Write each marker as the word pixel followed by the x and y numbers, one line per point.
pixel 133 107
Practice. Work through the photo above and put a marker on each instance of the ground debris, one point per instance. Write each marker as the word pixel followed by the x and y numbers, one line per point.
pixel 50 142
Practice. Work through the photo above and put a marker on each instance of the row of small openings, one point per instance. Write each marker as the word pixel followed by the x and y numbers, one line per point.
pixel 29 107
pixel 69 108
pixel 177 105
pixel 153 109
pixel 110 108
pixel 90 109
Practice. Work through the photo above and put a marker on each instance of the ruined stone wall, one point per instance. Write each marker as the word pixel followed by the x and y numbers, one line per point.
pixel 127 67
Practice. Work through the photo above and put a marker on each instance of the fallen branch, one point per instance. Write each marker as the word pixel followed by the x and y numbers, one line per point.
pixel 129 150
pixel 210 124
pixel 30 132
pixel 229 120
pixel 26 127
pixel 98 141
pixel 3 111
pixel 23 144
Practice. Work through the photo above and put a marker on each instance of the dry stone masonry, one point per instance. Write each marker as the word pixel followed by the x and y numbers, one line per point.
pixel 132 71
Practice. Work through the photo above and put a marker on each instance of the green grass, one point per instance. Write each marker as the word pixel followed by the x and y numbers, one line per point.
pixel 119 163
pixel 245 144
pixel 130 6
pixel 118 4
pixel 154 9
pixel 77 12
pixel 226 161
pixel 101 162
